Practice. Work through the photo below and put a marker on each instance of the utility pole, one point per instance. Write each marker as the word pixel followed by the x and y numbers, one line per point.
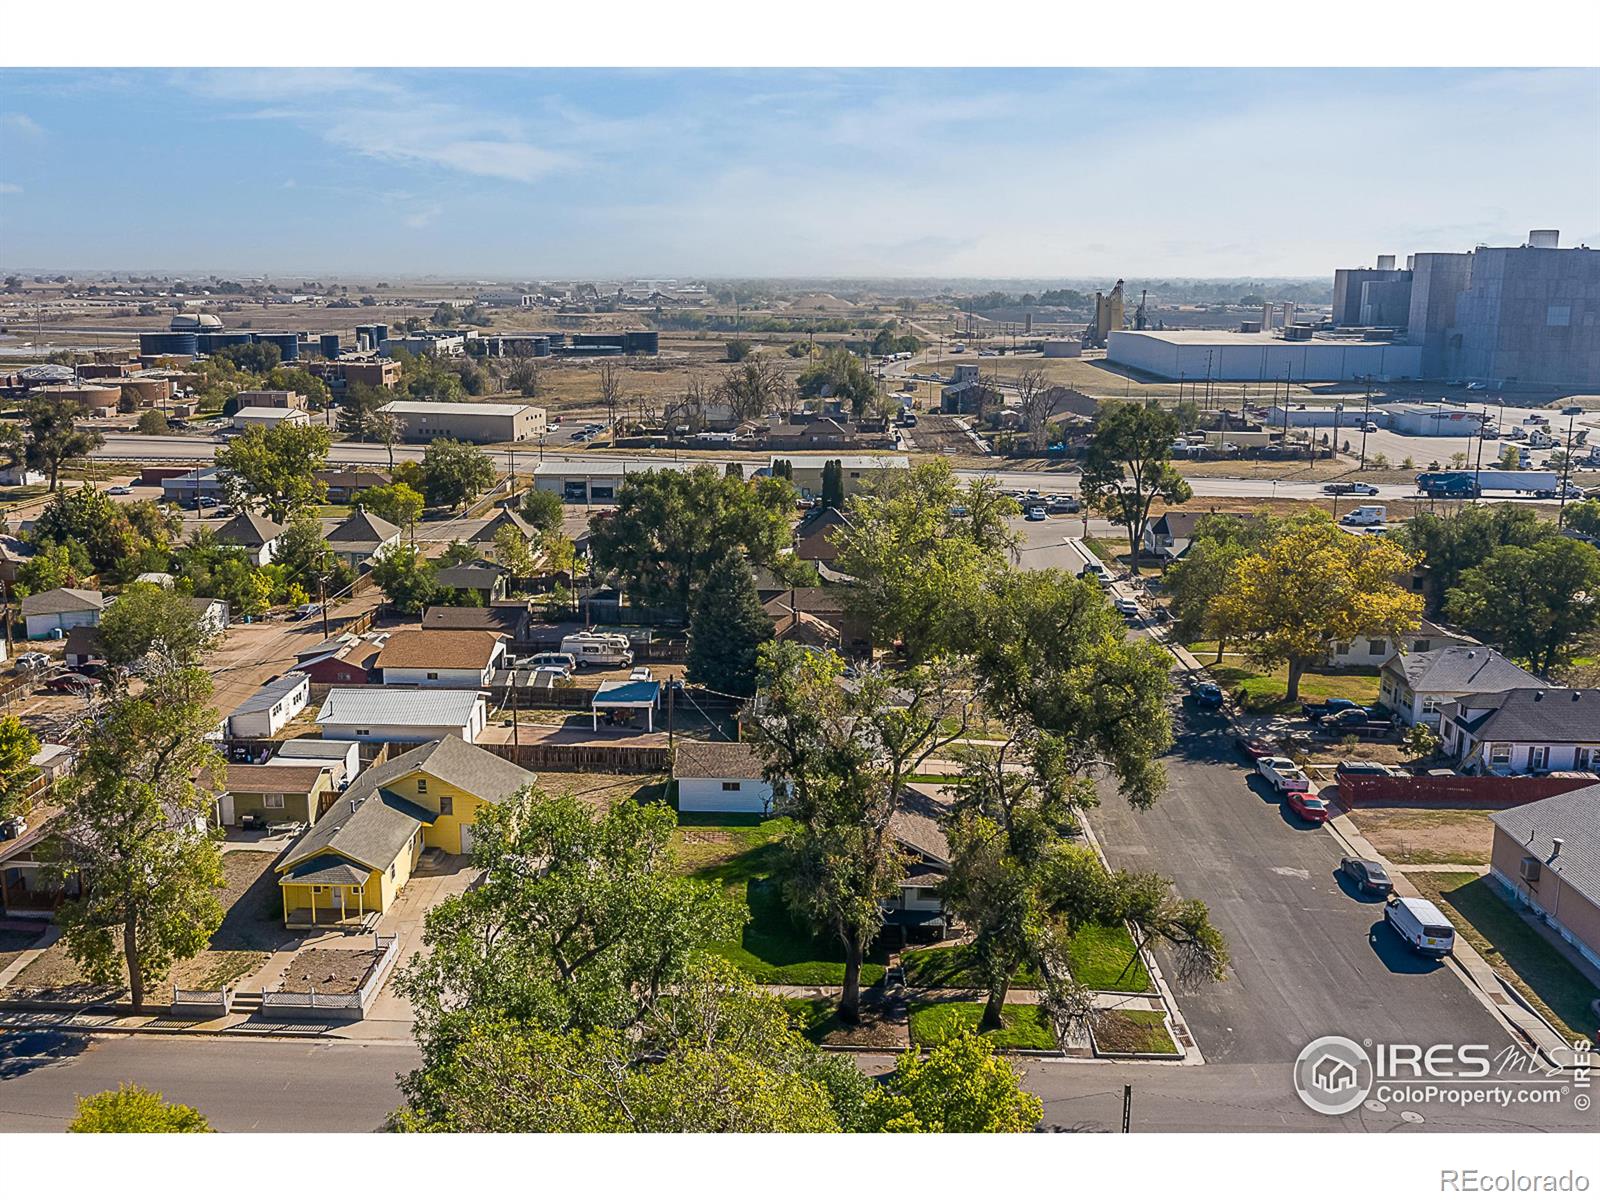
pixel 516 712
pixel 1566 468
pixel 671 693
pixel 322 603
pixel 1366 419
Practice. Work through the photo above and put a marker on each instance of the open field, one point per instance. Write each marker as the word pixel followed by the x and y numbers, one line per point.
pixel 1425 836
pixel 1514 949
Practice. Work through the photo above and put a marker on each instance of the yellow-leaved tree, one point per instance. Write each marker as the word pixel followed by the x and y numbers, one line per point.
pixel 1310 584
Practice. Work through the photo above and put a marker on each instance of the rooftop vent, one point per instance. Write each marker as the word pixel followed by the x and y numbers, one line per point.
pixel 1544 239
pixel 1555 847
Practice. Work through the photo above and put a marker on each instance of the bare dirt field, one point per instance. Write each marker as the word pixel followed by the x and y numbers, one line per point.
pixel 335 969
pixel 1428 836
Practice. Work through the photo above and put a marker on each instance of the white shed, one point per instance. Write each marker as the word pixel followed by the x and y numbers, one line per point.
pixel 343 759
pixel 720 777
pixel 274 705
pixel 61 608
pixel 387 714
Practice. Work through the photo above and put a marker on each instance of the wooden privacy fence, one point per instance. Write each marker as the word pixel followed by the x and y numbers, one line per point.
pixel 585 756
pixel 1452 791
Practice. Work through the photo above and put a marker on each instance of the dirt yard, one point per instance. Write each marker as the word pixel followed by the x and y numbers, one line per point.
pixel 1428 836
pixel 250 929
pixel 329 969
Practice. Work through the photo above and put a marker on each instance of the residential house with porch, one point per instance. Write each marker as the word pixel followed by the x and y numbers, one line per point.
pixel 918 826
pixel 1376 649
pixel 480 579
pixel 355 860
pixel 510 620
pixel 1417 686
pixel 1524 731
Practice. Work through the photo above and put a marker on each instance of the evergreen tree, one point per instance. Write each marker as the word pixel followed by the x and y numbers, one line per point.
pixel 728 628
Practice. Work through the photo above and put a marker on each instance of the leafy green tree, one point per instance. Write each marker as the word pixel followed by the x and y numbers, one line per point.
pixel 1450 545
pixel 845 754
pixel 134 829
pixel 276 468
pixel 455 473
pixel 118 538
pixel 54 565
pixel 669 527
pixel 511 551
pixel 739 349
pixel 1196 580
pixel 153 422
pixel 361 402
pixel 387 427
pixel 18 745
pixel 406 578
pixel 1129 467
pixel 720 1058
pixel 144 621
pixel 524 379
pixel 1312 583
pixel 54 435
pixel 1534 602
pixel 1510 458
pixel 257 358
pixel 13 444
pixel 728 629
pixel 205 567
pixel 306 558
pixel 920 547
pixel 833 483
pixel 1584 518
pixel 961 1086
pixel 398 503
pixel 753 389
pixel 542 510
pixel 133 1109
pixel 842 375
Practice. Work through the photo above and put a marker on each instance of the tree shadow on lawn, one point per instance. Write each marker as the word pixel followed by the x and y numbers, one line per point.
pixel 778 948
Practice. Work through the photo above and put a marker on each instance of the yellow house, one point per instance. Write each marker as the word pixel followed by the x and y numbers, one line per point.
pixel 358 856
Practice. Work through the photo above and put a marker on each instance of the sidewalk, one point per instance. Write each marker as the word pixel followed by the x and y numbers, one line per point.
pixel 1525 1026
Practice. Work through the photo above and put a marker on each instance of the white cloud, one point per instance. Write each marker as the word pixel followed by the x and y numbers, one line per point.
pixel 21 124
pixel 10 189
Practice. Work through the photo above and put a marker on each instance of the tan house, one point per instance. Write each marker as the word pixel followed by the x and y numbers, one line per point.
pixel 1546 858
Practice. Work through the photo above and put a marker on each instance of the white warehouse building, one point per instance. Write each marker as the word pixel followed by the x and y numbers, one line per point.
pixel 1258 357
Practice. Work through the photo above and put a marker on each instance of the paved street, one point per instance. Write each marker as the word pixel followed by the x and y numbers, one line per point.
pixel 1309 958
pixel 242 1084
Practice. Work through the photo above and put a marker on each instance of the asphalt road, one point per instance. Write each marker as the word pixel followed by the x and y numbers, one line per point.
pixel 126 447
pixel 1309 956
pixel 241 1084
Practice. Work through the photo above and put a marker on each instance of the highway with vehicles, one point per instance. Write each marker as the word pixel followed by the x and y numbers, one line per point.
pixel 141 448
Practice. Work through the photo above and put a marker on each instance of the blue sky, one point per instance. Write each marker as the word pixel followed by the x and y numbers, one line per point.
pixel 560 173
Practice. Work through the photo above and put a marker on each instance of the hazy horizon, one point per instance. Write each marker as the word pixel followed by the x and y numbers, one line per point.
pixel 992 175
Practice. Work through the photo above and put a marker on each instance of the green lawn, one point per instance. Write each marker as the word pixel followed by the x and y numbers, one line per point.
pixel 1024 1026
pixel 814 1018
pixel 1553 985
pixel 740 853
pixel 942 779
pixel 1264 690
pixel 1132 1031
pixel 1099 955
pixel 1102 957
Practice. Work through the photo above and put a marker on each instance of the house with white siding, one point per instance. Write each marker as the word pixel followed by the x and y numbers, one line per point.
pixel 720 777
pixel 1417 686
pixel 440 658
pixel 392 714
pixel 1524 731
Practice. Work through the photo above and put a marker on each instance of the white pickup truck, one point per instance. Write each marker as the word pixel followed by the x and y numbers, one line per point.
pixel 1283 775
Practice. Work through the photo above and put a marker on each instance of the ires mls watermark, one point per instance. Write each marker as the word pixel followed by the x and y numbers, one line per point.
pixel 1335 1075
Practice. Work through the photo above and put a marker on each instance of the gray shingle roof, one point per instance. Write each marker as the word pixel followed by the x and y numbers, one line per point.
pixel 63 600
pixel 327 868
pixel 715 760
pixel 397 706
pixel 476 574
pixel 918 823
pixel 1461 669
pixel 471 768
pixel 370 827
pixel 499 521
pixel 1544 714
pixel 1575 818
pixel 362 529
pixel 249 529
pixel 507 619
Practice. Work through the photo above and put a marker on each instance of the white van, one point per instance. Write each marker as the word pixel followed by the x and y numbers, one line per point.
pixel 1420 925
pixel 598 649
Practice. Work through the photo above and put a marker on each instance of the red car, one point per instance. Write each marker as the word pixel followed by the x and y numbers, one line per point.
pixel 1308 807
pixel 1253 748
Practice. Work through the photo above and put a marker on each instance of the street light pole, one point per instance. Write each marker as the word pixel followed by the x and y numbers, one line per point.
pixel 1566 468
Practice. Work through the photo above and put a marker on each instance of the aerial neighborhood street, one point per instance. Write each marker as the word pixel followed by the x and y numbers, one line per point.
pixel 515 701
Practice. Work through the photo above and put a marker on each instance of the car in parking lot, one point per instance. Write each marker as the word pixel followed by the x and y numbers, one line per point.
pixel 1252 748
pixel 1308 807
pixel 1062 504
pixel 120 489
pixel 1206 695
pixel 1366 875
pixel 1036 513
pixel 1283 776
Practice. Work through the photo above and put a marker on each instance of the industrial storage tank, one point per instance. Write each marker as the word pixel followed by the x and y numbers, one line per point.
pixel 330 345
pixel 169 343
pixel 288 344
pixel 641 341
pixel 102 400
pixel 195 322
pixel 1063 348
pixel 210 343
pixel 146 391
